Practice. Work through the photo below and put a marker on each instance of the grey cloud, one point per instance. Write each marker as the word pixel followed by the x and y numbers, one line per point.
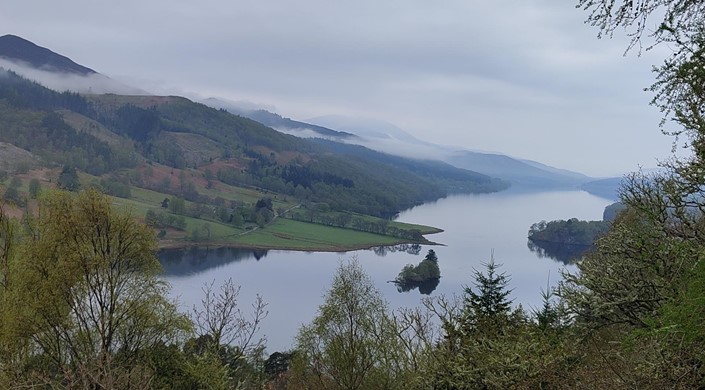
pixel 528 78
pixel 94 83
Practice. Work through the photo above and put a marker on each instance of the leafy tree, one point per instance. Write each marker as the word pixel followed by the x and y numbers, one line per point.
pixel 177 205
pixel 92 300
pixel 16 182
pixel 350 344
pixel 424 276
pixel 489 345
pixel 12 195
pixel 34 188
pixel 224 331
pixel 68 179
pixel 431 256
pixel 645 269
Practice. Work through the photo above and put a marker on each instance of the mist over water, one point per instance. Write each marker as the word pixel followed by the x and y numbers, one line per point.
pixel 293 283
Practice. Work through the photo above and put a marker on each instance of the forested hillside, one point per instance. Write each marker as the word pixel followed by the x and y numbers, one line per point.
pixel 178 133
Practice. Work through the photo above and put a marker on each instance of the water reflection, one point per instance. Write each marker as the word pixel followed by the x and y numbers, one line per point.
pixel 194 260
pixel 412 249
pixel 425 288
pixel 565 253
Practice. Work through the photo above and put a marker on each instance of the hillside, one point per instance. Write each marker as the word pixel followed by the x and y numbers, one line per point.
pixel 15 48
pixel 385 137
pixel 524 174
pixel 187 166
pixel 279 123
pixel 223 174
pixel 605 188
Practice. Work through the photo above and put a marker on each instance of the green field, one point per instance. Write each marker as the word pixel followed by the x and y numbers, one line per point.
pixel 285 234
pixel 282 233
pixel 296 235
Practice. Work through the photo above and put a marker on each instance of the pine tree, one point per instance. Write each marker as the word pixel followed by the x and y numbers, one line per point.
pixel 488 301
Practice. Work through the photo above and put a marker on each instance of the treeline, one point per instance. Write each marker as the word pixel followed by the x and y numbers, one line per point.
pixel 235 213
pixel 474 341
pixel 321 214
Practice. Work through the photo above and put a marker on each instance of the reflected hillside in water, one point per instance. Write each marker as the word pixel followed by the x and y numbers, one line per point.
pixel 194 260
pixel 412 249
pixel 565 253
pixel 189 261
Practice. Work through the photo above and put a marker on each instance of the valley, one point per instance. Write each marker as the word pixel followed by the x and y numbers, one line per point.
pixel 201 176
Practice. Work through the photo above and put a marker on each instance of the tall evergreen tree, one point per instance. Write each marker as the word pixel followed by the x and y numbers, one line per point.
pixel 489 300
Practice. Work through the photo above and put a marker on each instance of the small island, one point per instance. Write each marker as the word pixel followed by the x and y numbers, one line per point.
pixel 565 240
pixel 570 232
pixel 425 276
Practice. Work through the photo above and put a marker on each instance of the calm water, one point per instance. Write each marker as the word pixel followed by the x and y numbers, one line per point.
pixel 293 283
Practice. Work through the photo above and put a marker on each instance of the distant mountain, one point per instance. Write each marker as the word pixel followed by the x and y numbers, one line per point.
pixel 388 138
pixel 604 188
pixel 14 48
pixel 279 123
pixel 56 71
pixel 557 171
pixel 521 173
pixel 365 127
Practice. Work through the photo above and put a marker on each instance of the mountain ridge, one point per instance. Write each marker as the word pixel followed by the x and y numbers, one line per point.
pixel 13 47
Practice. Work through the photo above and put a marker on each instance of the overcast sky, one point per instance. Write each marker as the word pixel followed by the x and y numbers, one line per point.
pixel 526 78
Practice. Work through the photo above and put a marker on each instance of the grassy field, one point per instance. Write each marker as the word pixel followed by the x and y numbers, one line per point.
pixel 282 233
pixel 296 235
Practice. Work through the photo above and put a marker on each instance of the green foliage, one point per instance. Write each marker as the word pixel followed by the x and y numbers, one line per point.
pixel 350 344
pixel 116 187
pixel 177 205
pixel 570 232
pixel 111 306
pixel 612 211
pixel 34 188
pixel 12 195
pixel 425 275
pixel 487 344
pixel 488 302
pixel 29 121
pixel 68 179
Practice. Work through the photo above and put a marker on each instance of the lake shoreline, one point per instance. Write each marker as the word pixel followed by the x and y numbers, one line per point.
pixel 329 249
pixel 290 235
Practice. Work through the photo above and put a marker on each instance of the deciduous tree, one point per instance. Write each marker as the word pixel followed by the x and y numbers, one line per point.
pixel 91 299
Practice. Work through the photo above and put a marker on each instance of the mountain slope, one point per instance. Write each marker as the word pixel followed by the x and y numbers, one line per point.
pixel 517 172
pixel 56 71
pixel 279 123
pixel 179 133
pixel 15 48
pixel 390 139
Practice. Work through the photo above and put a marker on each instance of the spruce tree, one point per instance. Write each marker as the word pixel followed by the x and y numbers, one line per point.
pixel 488 301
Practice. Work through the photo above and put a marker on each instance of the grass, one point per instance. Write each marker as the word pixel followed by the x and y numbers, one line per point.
pixel 297 235
pixel 282 233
